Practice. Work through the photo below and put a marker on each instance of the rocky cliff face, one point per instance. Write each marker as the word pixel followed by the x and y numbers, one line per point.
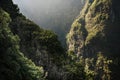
pixel 94 38
pixel 96 31
pixel 92 30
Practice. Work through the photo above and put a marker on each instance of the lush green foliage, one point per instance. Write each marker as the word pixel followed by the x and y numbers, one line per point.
pixel 14 66
pixel 9 7
pixel 91 38
pixel 98 68
pixel 34 38
pixel 74 68
pixel 42 46
pixel 100 20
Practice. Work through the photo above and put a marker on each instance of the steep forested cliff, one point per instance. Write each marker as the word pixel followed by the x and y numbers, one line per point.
pixel 40 46
pixel 94 38
pixel 28 52
pixel 55 15
pixel 14 65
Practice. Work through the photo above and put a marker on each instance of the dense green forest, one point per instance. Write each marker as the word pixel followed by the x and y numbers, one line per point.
pixel 14 65
pixel 28 52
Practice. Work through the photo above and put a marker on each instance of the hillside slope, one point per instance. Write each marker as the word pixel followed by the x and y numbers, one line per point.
pixel 55 15
pixel 40 46
pixel 14 65
pixel 94 36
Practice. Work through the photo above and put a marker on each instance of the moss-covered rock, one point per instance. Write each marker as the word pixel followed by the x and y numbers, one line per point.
pixel 99 21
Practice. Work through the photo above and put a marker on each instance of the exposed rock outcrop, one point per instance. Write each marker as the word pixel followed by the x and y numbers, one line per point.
pixel 96 31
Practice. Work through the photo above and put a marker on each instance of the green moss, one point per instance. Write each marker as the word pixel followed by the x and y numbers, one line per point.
pixel 91 36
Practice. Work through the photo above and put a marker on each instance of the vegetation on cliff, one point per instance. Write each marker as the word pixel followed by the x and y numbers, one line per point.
pixel 94 32
pixel 93 50
pixel 39 46
pixel 14 65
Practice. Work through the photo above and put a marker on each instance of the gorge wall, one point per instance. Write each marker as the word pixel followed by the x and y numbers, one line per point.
pixel 95 33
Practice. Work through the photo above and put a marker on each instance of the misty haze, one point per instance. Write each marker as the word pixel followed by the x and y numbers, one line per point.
pixel 59 40
pixel 56 15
